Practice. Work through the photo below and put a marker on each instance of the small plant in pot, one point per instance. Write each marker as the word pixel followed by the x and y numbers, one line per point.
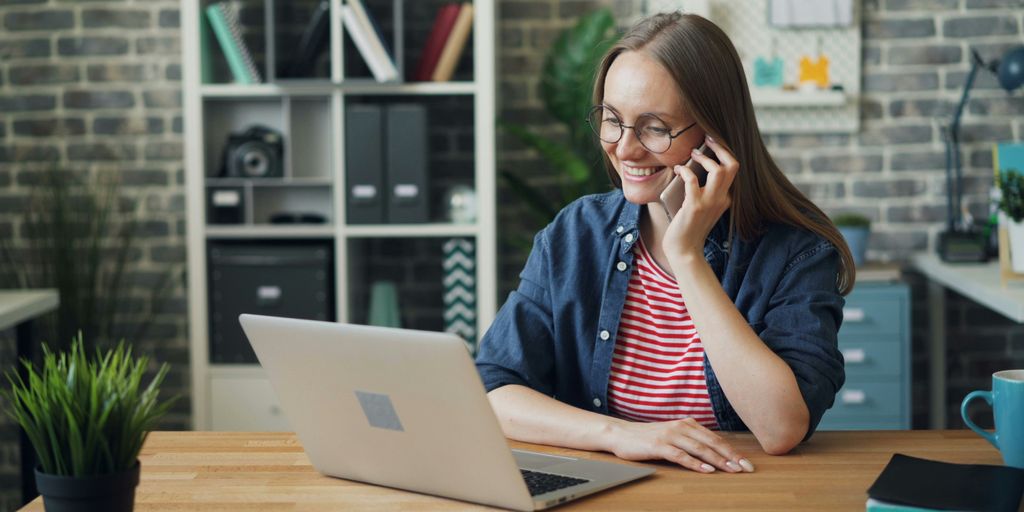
pixel 86 419
pixel 856 229
pixel 1011 203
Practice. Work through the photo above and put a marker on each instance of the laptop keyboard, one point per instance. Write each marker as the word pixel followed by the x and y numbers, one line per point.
pixel 540 483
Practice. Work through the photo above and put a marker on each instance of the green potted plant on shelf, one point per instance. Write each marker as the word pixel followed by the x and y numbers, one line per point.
pixel 1011 204
pixel 856 229
pixel 86 419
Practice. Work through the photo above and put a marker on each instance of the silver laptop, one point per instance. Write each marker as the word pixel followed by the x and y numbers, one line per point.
pixel 406 409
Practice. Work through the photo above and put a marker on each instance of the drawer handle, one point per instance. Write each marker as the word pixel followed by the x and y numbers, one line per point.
pixel 854 355
pixel 853 397
pixel 854 314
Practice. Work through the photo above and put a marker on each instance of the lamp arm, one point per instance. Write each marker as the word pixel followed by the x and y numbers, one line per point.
pixel 954 174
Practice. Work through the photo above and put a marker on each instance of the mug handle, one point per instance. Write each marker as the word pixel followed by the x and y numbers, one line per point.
pixel 987 396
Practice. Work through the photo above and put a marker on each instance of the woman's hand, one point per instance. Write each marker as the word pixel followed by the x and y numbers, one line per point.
pixel 703 206
pixel 684 442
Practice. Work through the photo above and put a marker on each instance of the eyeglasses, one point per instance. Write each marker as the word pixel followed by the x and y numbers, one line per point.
pixel 650 130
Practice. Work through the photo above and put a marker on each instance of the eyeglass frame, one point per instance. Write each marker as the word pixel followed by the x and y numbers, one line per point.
pixel 623 126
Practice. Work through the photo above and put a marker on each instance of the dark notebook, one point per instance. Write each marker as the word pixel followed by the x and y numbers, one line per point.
pixel 946 486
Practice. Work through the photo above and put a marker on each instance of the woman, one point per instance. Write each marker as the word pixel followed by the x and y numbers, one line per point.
pixel 639 335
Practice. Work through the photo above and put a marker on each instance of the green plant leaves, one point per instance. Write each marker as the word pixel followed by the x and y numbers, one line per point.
pixel 1011 188
pixel 86 416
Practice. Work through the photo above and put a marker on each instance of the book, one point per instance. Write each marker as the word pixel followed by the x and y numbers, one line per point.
pixel 443 23
pixel 372 49
pixel 927 484
pixel 223 18
pixel 454 46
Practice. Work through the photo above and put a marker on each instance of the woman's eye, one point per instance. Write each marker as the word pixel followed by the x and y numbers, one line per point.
pixel 656 130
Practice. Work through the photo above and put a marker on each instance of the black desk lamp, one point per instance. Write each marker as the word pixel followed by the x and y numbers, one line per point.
pixel 960 242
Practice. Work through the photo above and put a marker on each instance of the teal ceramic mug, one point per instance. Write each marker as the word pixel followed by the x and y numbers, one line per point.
pixel 1007 401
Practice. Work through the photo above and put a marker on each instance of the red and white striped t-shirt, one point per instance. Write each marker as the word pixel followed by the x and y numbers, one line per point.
pixel 658 365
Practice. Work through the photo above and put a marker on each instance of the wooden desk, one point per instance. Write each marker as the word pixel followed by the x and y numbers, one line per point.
pixel 206 471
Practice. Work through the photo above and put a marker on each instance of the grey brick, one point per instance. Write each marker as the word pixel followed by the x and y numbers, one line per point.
pixel 871 55
pixel 164 151
pixel 23 153
pixel 167 98
pixel 917 213
pixel 870 108
pixel 118 72
pixel 153 229
pixel 167 254
pixel 979 26
pixel 901 243
pixel 5 181
pixel 819 191
pixel 930 54
pixel 169 18
pixel 985 132
pixel 921 108
pixel 808 140
pixel 899 28
pixel 173 72
pixel 116 18
pixel 898 82
pixel 870 212
pixel 978 158
pixel 788 164
pixel 920 5
pixel 982 81
pixel 49 127
pixel 92 45
pixel 23 48
pixel 27 102
pixel 49 19
pixel 855 164
pixel 524 10
pixel 3 130
pixel 144 178
pixel 511 37
pixel 917 161
pixel 13 204
pixel 897 134
pixel 994 4
pixel 177 125
pixel 1003 106
pixel 98 99
pixel 101 151
pixel 40 74
pixel 158 46
pixel 889 188
pixel 126 125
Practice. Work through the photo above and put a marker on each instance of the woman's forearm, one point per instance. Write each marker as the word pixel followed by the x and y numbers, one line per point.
pixel 529 416
pixel 760 386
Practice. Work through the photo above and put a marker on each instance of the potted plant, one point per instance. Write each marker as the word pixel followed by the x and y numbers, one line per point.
pixel 1011 204
pixel 86 419
pixel 856 229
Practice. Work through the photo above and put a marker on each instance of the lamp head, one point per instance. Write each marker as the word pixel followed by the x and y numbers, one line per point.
pixel 1011 69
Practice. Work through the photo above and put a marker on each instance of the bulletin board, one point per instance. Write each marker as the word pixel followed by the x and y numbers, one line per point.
pixel 747 24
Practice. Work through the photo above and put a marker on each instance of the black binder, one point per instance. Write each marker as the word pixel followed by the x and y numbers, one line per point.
pixel 407 201
pixel 364 164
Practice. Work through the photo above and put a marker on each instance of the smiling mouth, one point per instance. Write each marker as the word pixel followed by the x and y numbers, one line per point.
pixel 641 171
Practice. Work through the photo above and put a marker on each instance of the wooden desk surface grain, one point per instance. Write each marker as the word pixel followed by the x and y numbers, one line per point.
pixel 226 471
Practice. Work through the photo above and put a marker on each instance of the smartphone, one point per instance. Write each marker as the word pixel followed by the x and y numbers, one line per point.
pixel 673 195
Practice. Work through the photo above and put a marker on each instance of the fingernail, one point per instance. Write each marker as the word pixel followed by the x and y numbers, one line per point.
pixel 732 465
pixel 694 151
pixel 710 139
pixel 707 468
pixel 747 466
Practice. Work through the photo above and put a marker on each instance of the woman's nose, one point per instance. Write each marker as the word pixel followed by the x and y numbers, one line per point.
pixel 629 146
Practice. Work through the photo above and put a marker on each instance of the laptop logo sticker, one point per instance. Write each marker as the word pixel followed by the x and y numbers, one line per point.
pixel 379 411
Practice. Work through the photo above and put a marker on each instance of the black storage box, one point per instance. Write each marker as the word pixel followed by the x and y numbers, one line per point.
pixel 289 279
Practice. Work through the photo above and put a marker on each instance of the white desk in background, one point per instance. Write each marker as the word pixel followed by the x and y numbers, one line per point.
pixel 18 309
pixel 980 282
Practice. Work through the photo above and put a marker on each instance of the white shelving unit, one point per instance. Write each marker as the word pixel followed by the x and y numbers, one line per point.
pixel 311 115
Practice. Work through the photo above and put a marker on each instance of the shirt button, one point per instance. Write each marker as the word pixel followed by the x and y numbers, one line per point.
pixel 725 244
pixel 622 266
pixel 629 238
pixel 620 229
pixel 605 335
pixel 597 402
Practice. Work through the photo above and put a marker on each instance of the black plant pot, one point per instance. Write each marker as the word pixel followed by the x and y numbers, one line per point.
pixel 113 492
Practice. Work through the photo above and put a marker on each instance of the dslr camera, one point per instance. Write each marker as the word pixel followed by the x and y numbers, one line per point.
pixel 258 152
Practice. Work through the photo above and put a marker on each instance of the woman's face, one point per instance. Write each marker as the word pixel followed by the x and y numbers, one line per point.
pixel 636 85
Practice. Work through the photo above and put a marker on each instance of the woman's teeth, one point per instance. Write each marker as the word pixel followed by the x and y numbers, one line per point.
pixel 642 171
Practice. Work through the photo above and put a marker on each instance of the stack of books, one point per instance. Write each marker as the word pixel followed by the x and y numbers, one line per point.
pixel 367 37
pixel 445 44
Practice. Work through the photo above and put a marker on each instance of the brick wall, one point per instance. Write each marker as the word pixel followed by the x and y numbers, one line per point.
pixel 95 85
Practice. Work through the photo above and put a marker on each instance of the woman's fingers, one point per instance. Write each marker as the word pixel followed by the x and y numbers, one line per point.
pixel 679 456
pixel 731 458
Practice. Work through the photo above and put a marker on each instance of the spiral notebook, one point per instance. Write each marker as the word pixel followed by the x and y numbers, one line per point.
pixel 223 17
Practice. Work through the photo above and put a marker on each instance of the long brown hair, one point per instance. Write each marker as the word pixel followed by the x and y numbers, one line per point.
pixel 713 87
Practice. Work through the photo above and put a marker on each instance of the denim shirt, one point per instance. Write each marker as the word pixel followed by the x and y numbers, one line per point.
pixel 556 332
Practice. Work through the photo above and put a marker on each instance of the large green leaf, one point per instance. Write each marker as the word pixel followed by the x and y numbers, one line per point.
pixel 562 158
pixel 568 72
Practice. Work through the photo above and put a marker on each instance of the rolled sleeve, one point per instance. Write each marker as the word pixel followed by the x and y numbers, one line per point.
pixel 518 348
pixel 802 325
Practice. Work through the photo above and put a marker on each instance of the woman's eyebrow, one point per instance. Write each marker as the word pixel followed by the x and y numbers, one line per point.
pixel 660 115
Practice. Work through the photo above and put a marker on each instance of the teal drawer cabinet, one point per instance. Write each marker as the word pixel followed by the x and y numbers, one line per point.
pixel 875 342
